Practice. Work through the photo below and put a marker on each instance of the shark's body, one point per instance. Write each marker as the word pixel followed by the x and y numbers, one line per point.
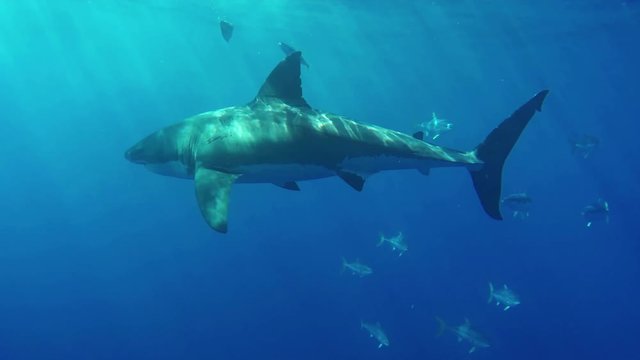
pixel 465 332
pixel 375 331
pixel 278 138
pixel 504 296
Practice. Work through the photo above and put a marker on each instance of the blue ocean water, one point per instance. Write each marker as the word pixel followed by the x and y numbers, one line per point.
pixel 100 259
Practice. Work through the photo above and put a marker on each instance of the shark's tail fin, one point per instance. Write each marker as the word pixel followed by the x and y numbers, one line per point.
pixel 493 151
pixel 490 292
pixel 442 326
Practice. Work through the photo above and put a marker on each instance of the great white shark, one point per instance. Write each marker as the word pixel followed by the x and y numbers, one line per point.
pixel 278 138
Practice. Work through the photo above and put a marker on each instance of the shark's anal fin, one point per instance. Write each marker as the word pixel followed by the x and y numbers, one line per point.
pixel 212 190
pixel 354 180
pixel 284 82
pixel 424 171
pixel 289 185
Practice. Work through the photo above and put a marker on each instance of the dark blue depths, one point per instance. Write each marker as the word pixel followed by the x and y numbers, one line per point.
pixel 100 259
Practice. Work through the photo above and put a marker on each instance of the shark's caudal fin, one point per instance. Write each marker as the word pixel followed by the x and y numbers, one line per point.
pixel 442 326
pixel 493 151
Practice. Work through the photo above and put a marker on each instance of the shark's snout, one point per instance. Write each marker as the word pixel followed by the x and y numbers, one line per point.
pixel 134 154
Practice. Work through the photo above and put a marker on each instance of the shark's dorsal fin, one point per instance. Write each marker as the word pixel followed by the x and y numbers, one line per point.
pixel 418 135
pixel 284 82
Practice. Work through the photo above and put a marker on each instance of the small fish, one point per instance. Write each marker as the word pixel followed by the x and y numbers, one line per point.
pixel 356 268
pixel 464 332
pixel 396 242
pixel 435 127
pixel 503 296
pixel 375 331
pixel 288 50
pixel 226 28
pixel 597 211
pixel 583 145
pixel 518 203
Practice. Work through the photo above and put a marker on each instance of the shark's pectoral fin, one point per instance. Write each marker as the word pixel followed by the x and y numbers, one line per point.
pixel 472 350
pixel 289 185
pixel 212 190
pixel 354 180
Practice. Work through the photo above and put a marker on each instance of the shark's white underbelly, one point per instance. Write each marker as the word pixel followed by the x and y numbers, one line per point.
pixel 363 166
pixel 280 173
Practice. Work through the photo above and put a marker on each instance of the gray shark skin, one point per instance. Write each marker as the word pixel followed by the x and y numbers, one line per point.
pixel 278 138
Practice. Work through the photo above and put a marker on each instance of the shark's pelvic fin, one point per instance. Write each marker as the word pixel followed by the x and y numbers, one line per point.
pixel 289 185
pixel 354 180
pixel 212 190
pixel 494 151
pixel 284 83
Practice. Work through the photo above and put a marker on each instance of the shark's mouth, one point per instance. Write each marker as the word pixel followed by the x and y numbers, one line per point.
pixel 171 168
